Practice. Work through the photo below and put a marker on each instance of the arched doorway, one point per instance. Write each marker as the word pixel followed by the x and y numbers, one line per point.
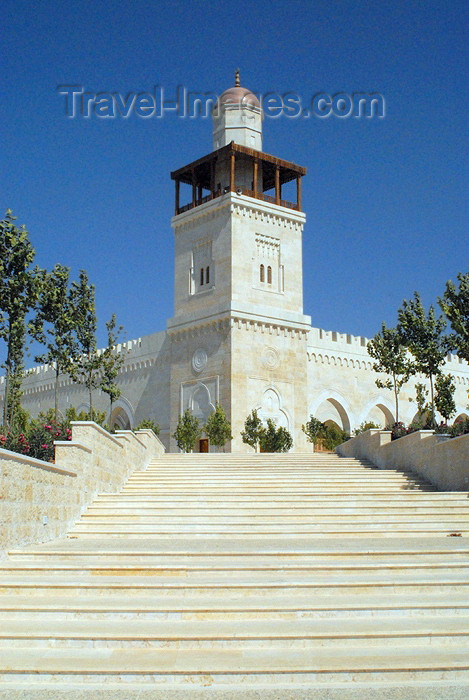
pixel 201 407
pixel 332 410
pixel 271 407
pixel 119 419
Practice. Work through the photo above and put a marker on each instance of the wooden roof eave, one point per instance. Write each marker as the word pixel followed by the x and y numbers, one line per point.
pixel 289 170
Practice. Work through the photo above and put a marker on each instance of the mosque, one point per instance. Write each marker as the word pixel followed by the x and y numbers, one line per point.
pixel 239 335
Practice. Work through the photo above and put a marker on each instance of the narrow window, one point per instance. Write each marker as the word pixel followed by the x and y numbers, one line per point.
pixel 201 276
pixel 269 275
pixel 262 274
pixel 207 275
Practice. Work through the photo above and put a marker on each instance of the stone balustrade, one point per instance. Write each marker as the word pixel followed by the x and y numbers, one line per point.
pixel 39 500
pixel 441 460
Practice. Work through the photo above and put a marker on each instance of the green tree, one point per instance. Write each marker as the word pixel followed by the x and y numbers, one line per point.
pixel 366 425
pixel 87 367
pixel 333 436
pixel 15 412
pixel 54 324
pixel 273 439
pixel 148 424
pixel 252 429
pixel 328 436
pixel 390 355
pixel 98 417
pixel 112 361
pixel 444 401
pixel 314 430
pixel 455 306
pixel 218 428
pixel 421 398
pixel 16 299
pixel 188 431
pixel 423 334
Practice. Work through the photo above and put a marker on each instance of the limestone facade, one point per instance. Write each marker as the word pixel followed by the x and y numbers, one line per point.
pixel 239 335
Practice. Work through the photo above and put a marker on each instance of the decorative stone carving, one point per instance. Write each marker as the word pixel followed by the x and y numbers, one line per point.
pixel 270 358
pixel 199 360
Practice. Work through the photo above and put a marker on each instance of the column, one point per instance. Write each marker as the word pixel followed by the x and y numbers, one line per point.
pixel 232 171
pixel 176 204
pixel 212 177
pixel 278 194
pixel 255 171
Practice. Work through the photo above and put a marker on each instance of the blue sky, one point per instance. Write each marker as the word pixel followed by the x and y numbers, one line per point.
pixel 385 199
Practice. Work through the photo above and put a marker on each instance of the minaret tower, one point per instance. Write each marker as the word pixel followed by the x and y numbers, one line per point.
pixel 238 334
pixel 237 117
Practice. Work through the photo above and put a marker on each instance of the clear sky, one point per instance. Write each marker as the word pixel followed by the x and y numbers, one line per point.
pixel 385 199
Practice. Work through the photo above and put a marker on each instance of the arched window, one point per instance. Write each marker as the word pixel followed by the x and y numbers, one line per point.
pixel 269 275
pixel 201 276
pixel 207 275
pixel 262 273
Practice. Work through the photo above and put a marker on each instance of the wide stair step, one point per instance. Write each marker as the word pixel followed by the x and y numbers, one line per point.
pixel 260 576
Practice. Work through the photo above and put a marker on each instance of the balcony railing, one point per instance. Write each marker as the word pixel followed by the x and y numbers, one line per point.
pixel 268 198
pixel 198 202
pixel 249 193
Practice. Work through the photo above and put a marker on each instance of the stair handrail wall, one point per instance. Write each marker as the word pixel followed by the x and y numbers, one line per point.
pixel 440 459
pixel 40 500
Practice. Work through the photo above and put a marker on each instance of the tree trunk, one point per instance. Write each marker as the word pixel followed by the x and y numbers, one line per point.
pixel 396 398
pixel 431 400
pixel 56 393
pixel 90 389
pixel 7 380
pixel 5 399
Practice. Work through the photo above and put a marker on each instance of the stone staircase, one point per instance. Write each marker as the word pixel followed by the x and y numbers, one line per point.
pixel 230 576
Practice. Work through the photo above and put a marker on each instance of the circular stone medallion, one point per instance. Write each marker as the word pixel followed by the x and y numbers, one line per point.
pixel 270 358
pixel 199 359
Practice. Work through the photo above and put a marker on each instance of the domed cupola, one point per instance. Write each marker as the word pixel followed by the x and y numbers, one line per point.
pixel 237 116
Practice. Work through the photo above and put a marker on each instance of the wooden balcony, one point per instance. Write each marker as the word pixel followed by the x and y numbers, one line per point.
pixel 268 173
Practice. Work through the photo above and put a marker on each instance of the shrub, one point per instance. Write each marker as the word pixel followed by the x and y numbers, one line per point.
pixel 252 430
pixel 328 436
pixel 187 431
pixel 37 440
pixel 273 439
pixel 398 430
pixel 41 437
pixel 148 425
pixel 459 427
pixel 313 429
pixel 15 443
pixel 333 436
pixel 98 417
pixel 37 436
pixel 218 428
pixel 364 427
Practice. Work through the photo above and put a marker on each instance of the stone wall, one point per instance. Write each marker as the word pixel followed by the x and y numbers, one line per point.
pixel 39 500
pixel 442 460
pixel 342 388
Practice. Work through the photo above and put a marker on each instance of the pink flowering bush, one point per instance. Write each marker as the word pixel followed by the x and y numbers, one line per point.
pixel 42 435
pixel 459 427
pixel 37 438
pixel 15 443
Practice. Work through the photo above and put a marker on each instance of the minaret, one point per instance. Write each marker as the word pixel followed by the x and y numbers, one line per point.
pixel 237 117
pixel 238 328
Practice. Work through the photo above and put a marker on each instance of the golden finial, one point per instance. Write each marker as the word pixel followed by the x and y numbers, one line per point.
pixel 237 78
